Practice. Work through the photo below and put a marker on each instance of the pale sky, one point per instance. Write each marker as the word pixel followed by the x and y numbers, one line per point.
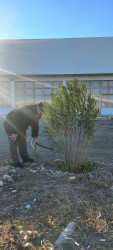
pixel 34 19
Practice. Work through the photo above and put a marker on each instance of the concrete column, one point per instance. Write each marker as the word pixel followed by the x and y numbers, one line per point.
pixel 13 104
pixel 64 83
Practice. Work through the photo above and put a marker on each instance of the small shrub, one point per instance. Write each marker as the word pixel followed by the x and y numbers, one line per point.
pixel 87 167
pixel 69 123
pixel 62 167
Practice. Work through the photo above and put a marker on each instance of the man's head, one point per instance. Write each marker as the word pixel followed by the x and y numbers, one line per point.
pixel 40 109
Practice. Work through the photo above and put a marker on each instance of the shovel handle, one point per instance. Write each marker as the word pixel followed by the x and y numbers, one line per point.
pixel 38 144
pixel 33 146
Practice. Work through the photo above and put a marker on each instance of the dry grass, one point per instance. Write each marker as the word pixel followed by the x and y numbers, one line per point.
pixel 93 216
pixel 86 201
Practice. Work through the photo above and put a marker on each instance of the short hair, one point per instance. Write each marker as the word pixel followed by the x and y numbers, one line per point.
pixel 40 105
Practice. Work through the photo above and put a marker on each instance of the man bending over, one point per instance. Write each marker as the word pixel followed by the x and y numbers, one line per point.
pixel 16 124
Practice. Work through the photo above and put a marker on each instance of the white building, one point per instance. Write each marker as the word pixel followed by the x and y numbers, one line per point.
pixel 29 69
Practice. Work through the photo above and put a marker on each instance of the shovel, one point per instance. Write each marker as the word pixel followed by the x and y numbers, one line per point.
pixel 40 145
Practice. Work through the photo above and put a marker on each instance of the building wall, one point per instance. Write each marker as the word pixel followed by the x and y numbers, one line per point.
pixel 16 91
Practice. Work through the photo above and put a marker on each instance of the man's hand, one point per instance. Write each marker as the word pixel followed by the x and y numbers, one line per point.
pixel 35 140
pixel 13 137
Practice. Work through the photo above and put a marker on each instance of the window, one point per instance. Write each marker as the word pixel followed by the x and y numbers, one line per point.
pixel 102 91
pixel 104 101
pixel 33 92
pixel 111 101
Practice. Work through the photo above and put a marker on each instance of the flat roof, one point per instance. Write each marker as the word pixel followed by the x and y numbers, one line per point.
pixel 67 56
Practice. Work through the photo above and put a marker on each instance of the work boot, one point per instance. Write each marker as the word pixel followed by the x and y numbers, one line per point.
pixel 28 160
pixel 18 164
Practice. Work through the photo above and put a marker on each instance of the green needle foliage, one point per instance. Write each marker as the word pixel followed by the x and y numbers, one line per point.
pixel 69 123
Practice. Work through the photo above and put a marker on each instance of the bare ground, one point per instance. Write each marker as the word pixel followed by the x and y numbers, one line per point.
pixel 54 200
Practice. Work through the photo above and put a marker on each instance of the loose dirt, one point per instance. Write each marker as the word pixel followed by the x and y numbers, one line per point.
pixel 40 201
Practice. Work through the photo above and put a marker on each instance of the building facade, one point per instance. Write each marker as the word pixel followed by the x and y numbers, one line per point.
pixel 31 69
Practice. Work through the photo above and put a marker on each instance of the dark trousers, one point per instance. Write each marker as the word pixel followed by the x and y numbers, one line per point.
pixel 18 147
